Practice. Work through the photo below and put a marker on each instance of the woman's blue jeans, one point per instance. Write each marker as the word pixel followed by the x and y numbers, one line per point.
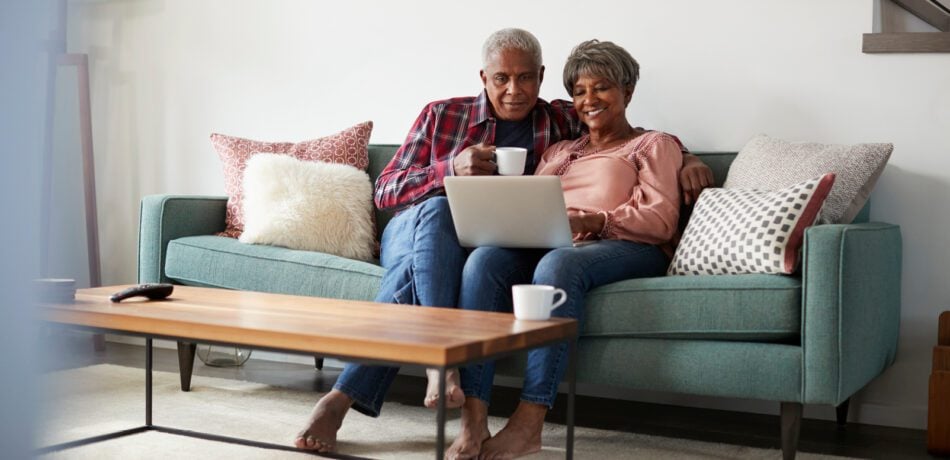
pixel 423 262
pixel 486 285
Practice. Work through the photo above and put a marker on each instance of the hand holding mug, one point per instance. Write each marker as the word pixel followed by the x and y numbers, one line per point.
pixel 475 160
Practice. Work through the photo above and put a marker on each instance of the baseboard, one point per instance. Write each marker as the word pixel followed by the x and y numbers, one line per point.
pixel 913 417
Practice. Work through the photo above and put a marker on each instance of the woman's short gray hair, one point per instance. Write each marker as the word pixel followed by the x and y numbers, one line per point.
pixel 511 38
pixel 601 59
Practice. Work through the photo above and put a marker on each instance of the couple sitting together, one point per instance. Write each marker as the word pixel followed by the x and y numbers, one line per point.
pixel 622 185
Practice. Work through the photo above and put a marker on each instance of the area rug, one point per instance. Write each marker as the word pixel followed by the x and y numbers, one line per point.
pixel 104 398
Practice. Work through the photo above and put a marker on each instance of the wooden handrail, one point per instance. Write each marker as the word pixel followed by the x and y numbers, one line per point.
pixel 907 42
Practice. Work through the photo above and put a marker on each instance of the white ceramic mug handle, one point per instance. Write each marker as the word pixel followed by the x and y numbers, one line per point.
pixel 559 301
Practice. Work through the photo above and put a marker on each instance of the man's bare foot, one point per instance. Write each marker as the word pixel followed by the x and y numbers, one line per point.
pixel 474 431
pixel 520 436
pixel 452 387
pixel 325 421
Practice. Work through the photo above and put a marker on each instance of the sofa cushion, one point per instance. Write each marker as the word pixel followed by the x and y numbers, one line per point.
pixel 227 263
pixel 732 307
pixel 720 307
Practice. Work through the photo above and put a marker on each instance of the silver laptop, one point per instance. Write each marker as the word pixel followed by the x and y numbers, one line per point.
pixel 509 211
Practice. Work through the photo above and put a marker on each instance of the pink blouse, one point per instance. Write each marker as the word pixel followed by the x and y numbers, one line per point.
pixel 635 185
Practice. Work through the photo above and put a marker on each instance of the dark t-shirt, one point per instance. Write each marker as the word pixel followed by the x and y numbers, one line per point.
pixel 518 134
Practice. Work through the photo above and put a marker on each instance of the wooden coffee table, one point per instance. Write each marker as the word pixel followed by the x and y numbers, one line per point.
pixel 365 332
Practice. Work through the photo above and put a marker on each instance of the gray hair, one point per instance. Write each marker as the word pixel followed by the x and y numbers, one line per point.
pixel 601 59
pixel 511 38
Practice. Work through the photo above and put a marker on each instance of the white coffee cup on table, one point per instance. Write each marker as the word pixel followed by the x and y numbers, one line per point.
pixel 535 302
pixel 510 160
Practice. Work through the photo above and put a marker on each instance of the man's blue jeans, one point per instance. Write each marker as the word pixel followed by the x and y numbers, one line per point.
pixel 423 262
pixel 486 285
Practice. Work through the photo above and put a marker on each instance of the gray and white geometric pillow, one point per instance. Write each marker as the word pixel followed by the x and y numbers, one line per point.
pixel 736 231
pixel 767 163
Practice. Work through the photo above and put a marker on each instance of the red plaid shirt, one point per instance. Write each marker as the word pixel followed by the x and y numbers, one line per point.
pixel 445 128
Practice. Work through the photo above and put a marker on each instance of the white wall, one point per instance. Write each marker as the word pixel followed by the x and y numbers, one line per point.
pixel 166 73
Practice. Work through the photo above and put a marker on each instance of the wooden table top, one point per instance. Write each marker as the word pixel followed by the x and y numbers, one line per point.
pixel 331 327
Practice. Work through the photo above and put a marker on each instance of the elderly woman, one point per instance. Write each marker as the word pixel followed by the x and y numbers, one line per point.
pixel 621 188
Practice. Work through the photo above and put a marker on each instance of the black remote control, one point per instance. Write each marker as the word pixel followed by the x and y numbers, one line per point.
pixel 152 291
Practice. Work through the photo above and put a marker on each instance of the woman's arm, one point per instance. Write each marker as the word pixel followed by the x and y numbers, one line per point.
pixel 694 177
pixel 652 213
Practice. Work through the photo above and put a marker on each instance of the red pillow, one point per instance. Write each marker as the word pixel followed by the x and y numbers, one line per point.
pixel 346 147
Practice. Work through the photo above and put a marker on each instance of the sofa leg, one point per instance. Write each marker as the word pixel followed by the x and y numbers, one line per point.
pixel 318 363
pixel 186 362
pixel 842 413
pixel 791 425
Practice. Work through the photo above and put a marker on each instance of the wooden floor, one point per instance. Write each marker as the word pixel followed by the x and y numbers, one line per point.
pixel 754 430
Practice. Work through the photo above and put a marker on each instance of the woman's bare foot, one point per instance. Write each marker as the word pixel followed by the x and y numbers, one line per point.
pixel 325 421
pixel 452 387
pixel 520 436
pixel 474 431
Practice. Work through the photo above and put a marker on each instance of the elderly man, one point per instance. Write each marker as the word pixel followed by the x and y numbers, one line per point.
pixel 420 251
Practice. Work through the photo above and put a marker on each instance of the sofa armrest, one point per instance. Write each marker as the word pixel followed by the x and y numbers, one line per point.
pixel 167 217
pixel 851 307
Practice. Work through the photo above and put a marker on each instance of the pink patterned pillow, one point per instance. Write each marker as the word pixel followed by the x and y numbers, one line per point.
pixel 347 147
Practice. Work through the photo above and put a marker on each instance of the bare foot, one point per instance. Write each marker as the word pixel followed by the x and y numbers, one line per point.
pixel 520 436
pixel 474 431
pixel 452 387
pixel 325 421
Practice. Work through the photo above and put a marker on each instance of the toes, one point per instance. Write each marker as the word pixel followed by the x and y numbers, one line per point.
pixel 453 389
pixel 302 442
pixel 311 442
pixel 456 399
pixel 323 447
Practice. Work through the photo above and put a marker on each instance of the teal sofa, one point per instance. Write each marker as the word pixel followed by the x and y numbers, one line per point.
pixel 813 338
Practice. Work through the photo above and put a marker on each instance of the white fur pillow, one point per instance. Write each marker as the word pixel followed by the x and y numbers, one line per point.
pixel 308 205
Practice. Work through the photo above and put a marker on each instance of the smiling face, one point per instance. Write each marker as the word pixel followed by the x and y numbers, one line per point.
pixel 601 103
pixel 512 79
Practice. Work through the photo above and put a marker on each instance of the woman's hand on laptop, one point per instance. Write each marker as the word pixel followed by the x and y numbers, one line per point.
pixel 585 222
pixel 475 160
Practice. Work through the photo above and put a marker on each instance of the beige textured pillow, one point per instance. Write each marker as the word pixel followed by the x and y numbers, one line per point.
pixel 308 205
pixel 766 163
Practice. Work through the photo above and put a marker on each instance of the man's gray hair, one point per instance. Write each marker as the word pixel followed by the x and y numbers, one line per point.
pixel 601 59
pixel 511 38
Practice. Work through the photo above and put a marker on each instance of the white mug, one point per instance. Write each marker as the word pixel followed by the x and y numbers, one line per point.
pixel 535 301
pixel 510 160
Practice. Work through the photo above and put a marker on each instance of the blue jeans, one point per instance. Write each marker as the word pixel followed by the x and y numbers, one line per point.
pixel 486 285
pixel 423 262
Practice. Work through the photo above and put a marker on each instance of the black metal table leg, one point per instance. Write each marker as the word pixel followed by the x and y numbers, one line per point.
pixel 440 417
pixel 148 382
pixel 571 391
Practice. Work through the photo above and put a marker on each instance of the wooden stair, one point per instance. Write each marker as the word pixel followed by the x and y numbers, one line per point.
pixel 938 411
